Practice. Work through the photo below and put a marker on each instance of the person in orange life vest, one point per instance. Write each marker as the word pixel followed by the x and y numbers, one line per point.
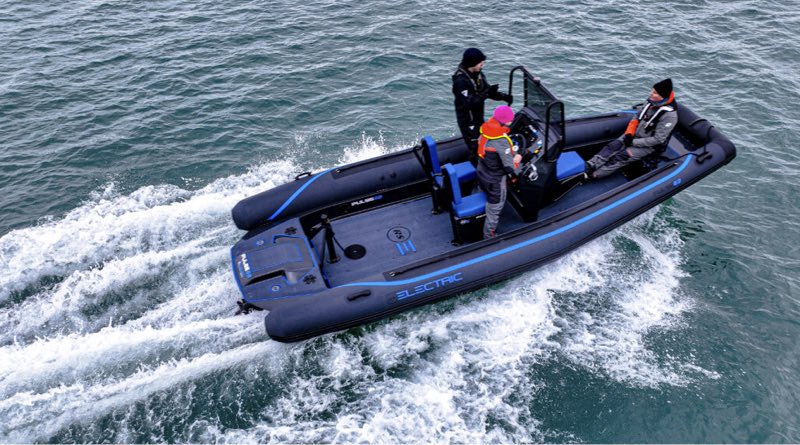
pixel 497 161
pixel 647 133
pixel 470 90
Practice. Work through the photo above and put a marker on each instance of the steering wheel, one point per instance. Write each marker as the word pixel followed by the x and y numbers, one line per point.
pixel 522 142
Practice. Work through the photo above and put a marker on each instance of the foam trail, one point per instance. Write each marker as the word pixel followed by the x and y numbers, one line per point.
pixel 82 402
pixel 631 299
pixel 64 359
pixel 140 279
pixel 467 365
pixel 111 226
pixel 61 308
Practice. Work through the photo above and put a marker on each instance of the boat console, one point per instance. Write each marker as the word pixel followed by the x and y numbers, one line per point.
pixel 548 172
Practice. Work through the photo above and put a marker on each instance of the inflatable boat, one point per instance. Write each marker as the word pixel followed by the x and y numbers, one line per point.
pixel 361 242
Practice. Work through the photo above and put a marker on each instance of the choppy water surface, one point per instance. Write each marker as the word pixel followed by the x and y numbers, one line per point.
pixel 128 130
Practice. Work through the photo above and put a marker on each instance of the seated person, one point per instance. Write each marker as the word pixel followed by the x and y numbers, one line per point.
pixel 646 134
pixel 497 160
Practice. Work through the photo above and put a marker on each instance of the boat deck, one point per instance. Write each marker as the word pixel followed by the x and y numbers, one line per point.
pixel 407 232
pixel 394 235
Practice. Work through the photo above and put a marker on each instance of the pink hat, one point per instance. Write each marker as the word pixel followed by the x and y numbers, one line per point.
pixel 503 114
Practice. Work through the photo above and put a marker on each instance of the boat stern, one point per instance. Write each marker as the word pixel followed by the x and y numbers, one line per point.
pixel 271 267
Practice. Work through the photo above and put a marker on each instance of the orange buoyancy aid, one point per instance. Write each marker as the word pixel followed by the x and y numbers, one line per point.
pixel 492 130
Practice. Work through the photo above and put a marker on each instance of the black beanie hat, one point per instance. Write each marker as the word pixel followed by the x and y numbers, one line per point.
pixel 472 57
pixel 664 88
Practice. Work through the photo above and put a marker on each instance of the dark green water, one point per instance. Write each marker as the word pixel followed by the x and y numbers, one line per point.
pixel 129 129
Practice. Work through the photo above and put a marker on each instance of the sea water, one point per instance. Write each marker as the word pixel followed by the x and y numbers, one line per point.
pixel 128 130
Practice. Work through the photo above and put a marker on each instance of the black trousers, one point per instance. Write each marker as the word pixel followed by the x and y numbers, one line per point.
pixel 471 139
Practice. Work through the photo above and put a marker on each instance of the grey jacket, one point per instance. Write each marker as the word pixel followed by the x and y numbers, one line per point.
pixel 655 134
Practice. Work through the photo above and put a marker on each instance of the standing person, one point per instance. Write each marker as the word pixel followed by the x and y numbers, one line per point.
pixel 497 161
pixel 646 134
pixel 471 90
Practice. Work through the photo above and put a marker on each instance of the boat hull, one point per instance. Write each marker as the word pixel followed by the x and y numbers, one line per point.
pixel 322 306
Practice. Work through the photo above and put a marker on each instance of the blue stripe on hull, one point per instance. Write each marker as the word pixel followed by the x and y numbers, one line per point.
pixel 296 194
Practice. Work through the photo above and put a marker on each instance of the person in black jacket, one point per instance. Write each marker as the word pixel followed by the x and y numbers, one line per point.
pixel 471 90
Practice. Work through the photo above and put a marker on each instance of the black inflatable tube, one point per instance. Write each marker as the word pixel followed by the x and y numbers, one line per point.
pixel 386 172
pixel 338 184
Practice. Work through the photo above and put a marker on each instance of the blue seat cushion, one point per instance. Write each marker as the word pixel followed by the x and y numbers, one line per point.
pixel 454 185
pixel 471 205
pixel 569 164
pixel 465 171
